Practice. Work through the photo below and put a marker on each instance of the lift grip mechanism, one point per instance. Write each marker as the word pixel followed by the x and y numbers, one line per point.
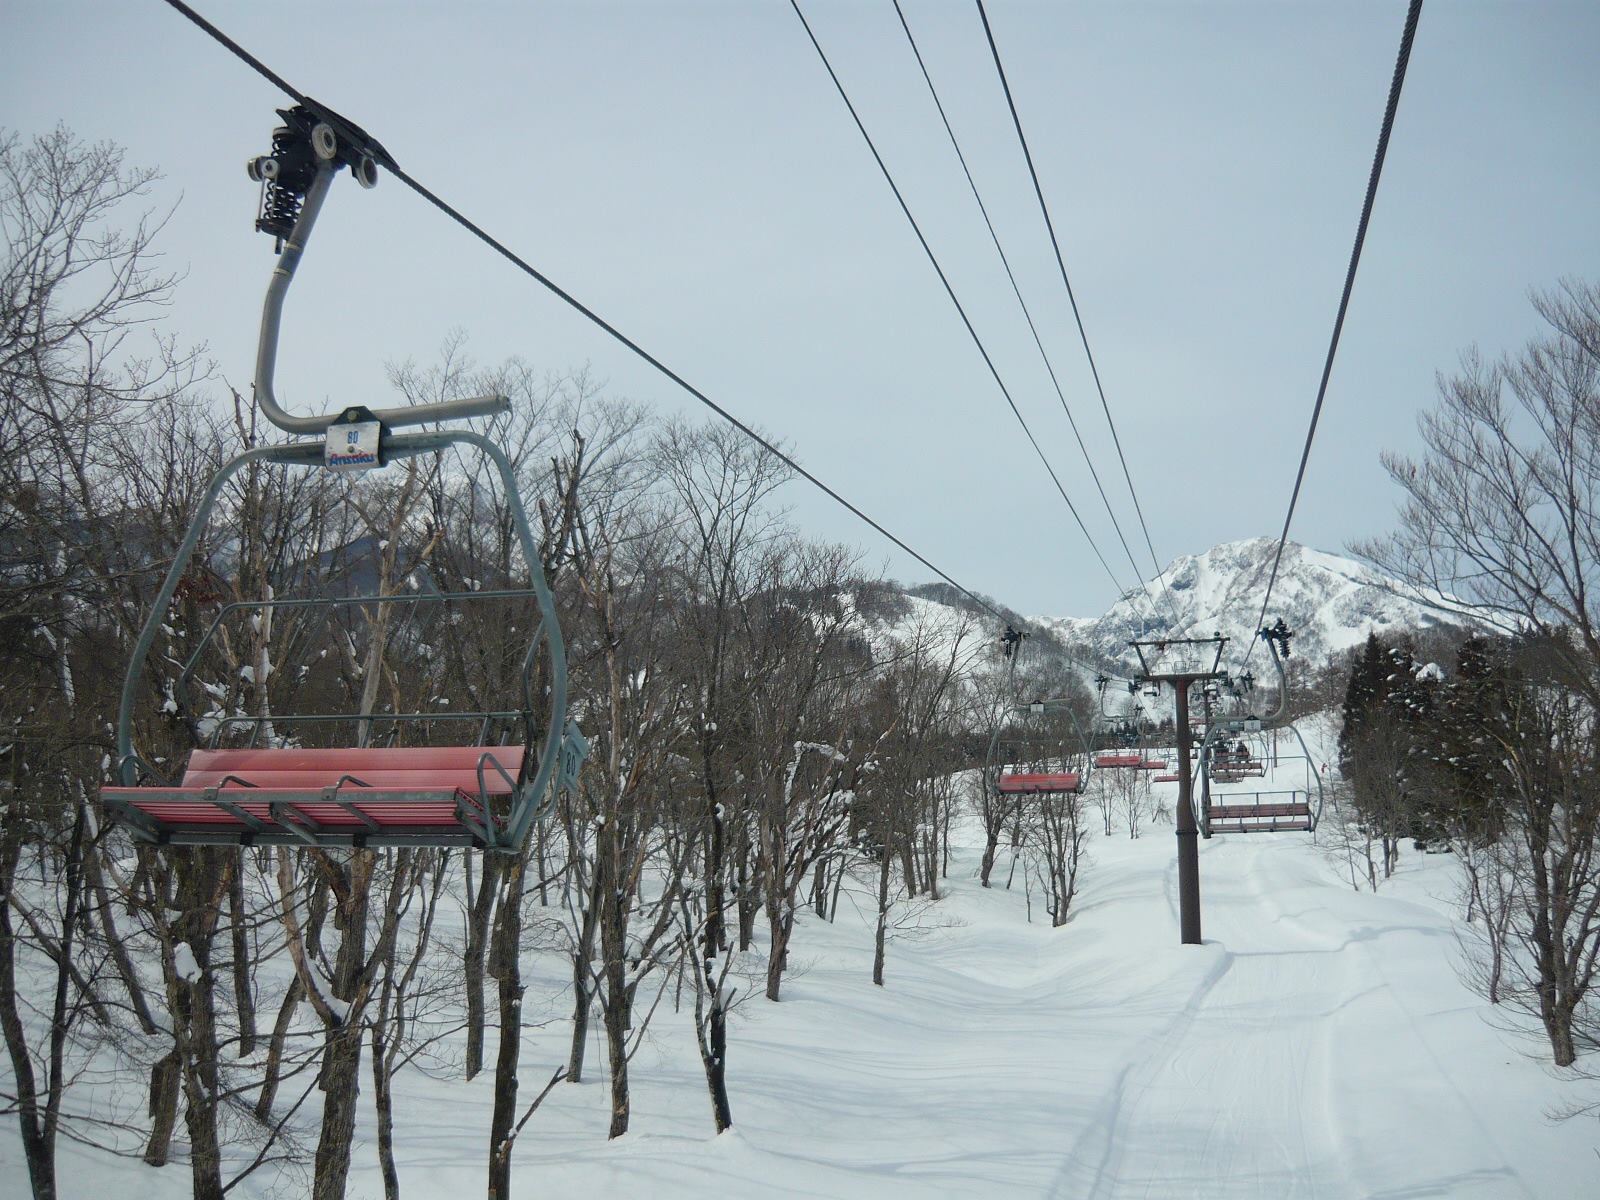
pixel 311 145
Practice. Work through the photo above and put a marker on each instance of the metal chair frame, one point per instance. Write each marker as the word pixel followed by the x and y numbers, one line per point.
pixel 1256 725
pixel 337 143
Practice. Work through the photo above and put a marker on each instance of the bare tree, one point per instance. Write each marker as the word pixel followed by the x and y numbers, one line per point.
pixel 79 285
pixel 1057 830
pixel 1500 523
pixel 1124 795
pixel 722 485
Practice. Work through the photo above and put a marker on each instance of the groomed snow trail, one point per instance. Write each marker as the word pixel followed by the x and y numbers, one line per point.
pixel 1318 1045
pixel 1262 1085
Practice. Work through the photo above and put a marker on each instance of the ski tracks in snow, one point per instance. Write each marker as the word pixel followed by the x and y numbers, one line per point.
pixel 1262 1083
pixel 1231 1097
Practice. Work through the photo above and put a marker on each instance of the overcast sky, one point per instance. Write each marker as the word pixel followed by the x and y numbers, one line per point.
pixel 689 171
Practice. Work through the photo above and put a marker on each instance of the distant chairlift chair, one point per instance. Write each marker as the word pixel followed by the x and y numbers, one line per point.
pixel 483 795
pixel 1039 783
pixel 1261 811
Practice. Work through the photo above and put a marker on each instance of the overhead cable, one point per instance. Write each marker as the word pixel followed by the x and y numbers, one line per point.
pixel 566 297
pixel 1397 81
pixel 950 291
pixel 1022 303
pixel 1055 243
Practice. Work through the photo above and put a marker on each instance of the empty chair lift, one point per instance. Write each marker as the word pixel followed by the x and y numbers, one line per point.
pixel 1039 783
pixel 1265 812
pixel 485 794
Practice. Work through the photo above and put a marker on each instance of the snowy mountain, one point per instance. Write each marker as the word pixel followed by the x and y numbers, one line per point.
pixel 1331 603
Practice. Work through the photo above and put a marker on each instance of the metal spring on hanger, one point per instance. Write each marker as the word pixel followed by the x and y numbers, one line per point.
pixel 280 204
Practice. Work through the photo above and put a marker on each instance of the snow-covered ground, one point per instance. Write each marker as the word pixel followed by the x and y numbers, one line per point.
pixel 1318 1044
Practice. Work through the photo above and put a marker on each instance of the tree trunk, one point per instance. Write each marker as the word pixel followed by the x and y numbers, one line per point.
pixel 481 905
pixel 722 1110
pixel 714 1042
pixel 749 897
pixel 908 865
pixel 38 1146
pixel 341 1085
pixel 119 949
pixel 1558 1025
pixel 582 982
pixel 616 1001
pixel 200 1088
pixel 780 925
pixel 712 1018
pixel 243 996
pixel 616 1015
pixel 949 818
pixel 880 936
pixel 202 877
pixel 163 1109
pixel 819 887
pixel 506 967
pixel 273 1069
pixel 341 1054
pixel 383 1099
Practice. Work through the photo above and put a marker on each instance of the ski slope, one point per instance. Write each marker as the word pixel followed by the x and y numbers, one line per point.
pixel 1319 1044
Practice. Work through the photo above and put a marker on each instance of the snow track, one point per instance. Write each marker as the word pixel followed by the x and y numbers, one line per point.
pixel 1233 1099
pixel 1262 1085
pixel 1319 1045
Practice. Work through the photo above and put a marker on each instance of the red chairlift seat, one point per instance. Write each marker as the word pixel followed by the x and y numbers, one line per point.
pixel 1118 760
pixel 1039 783
pixel 426 795
pixel 1228 760
pixel 1168 778
pixel 1153 764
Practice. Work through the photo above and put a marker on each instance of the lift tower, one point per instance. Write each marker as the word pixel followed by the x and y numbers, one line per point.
pixel 1183 662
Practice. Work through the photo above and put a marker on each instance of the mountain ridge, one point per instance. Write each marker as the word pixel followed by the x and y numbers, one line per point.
pixel 1331 602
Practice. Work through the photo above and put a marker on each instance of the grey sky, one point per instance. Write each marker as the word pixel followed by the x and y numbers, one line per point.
pixel 688 171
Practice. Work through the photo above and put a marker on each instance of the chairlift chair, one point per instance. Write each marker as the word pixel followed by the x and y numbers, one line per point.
pixel 1070 779
pixel 1263 811
pixel 1118 760
pixel 485 794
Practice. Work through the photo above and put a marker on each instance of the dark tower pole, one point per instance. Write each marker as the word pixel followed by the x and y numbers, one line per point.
pixel 1198 662
pixel 1205 772
pixel 1188 830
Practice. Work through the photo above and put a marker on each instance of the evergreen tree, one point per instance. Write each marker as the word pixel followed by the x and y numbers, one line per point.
pixel 1386 745
pixel 1468 731
pixel 1362 694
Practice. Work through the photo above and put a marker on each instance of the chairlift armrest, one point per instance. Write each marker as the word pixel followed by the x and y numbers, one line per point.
pixel 487 758
pixel 443 410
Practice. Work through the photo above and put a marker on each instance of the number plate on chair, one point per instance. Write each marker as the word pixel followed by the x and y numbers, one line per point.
pixel 352 446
